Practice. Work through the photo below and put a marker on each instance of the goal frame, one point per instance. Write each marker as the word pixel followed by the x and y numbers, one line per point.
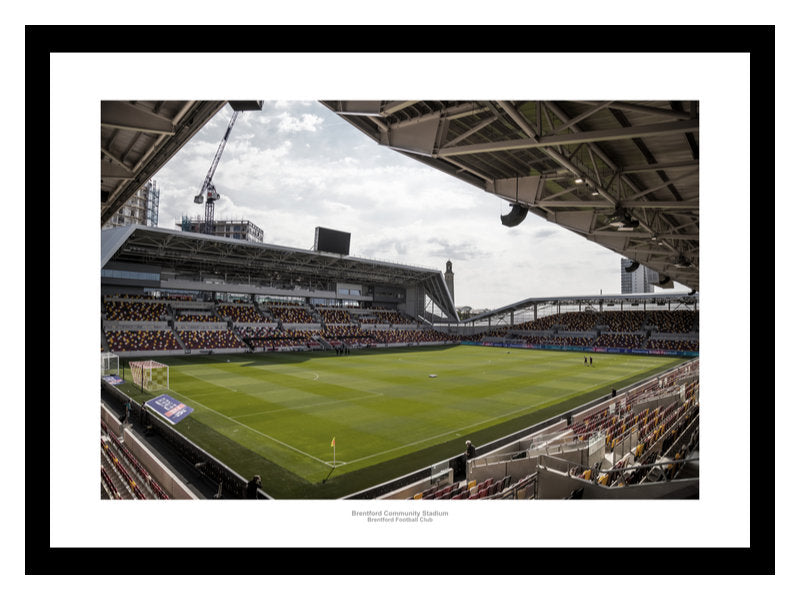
pixel 149 375
pixel 109 364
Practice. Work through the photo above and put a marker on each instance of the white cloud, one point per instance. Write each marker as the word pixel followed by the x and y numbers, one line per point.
pixel 305 122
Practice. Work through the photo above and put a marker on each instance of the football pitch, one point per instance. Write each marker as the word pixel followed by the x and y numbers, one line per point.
pixel 390 411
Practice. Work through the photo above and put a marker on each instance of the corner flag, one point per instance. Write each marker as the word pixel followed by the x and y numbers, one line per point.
pixel 333 443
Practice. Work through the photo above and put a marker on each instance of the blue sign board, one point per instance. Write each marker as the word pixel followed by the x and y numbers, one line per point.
pixel 169 408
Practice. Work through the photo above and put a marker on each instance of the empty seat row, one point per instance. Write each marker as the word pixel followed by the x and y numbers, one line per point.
pixel 146 477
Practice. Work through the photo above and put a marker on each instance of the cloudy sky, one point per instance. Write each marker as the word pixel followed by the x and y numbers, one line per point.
pixel 296 165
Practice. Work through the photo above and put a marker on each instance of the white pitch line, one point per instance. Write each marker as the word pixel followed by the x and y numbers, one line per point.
pixel 250 428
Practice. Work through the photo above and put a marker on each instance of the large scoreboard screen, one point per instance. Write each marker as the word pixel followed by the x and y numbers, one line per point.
pixel 330 240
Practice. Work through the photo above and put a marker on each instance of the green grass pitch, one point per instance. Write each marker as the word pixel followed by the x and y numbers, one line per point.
pixel 276 414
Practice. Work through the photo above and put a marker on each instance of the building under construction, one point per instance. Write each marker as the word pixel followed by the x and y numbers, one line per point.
pixel 237 229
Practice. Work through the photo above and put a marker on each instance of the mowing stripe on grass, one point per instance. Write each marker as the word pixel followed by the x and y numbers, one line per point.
pixel 414 443
pixel 446 433
pixel 261 433
pixel 304 406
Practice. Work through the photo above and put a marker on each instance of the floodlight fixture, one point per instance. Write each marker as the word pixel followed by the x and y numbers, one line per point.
pixel 622 220
pixel 682 262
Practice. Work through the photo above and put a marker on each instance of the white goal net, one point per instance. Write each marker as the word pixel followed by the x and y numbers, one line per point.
pixel 109 364
pixel 150 375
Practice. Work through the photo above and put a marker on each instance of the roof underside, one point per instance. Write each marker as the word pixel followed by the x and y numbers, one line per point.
pixel 138 138
pixel 624 175
pixel 243 262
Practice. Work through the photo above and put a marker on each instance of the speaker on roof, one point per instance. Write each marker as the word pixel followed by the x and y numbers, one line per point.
pixel 246 104
pixel 664 281
pixel 515 217
pixel 632 267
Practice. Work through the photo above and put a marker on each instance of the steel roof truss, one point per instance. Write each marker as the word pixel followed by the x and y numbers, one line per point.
pixel 134 117
pixel 622 133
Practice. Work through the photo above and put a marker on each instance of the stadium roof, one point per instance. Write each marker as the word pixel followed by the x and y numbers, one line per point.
pixel 624 175
pixel 688 299
pixel 242 261
pixel 138 138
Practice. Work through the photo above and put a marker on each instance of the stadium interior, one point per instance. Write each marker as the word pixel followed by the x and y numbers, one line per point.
pixel 171 293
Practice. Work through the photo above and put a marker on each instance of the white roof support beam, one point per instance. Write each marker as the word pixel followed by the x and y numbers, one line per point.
pixel 124 115
pixel 622 177
pixel 466 169
pixel 641 108
pixel 582 116
pixel 116 161
pixel 528 130
pixel 472 130
pixel 454 112
pixel 661 186
pixel 622 133
pixel 687 164
pixel 371 108
pixel 393 107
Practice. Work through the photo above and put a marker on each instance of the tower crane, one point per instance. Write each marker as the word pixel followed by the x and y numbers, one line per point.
pixel 208 193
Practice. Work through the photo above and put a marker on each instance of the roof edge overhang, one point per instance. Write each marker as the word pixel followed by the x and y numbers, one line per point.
pixel 589 299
